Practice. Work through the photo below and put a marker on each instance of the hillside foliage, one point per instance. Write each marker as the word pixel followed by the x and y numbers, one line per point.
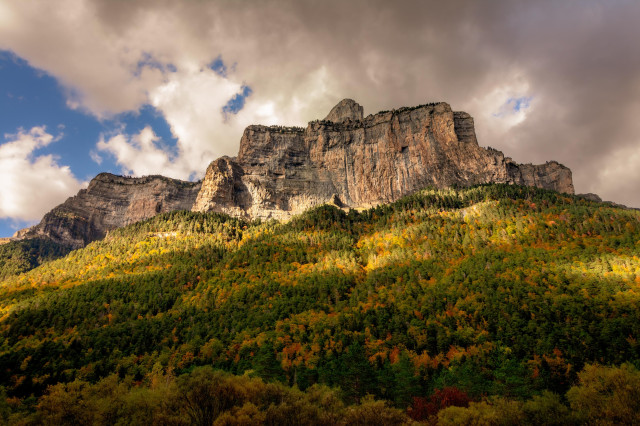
pixel 449 303
pixel 21 256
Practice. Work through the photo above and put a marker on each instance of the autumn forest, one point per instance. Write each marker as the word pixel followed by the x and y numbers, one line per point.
pixel 496 304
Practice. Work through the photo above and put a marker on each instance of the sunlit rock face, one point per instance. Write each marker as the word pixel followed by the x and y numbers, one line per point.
pixel 354 161
pixel 346 159
pixel 111 202
pixel 346 110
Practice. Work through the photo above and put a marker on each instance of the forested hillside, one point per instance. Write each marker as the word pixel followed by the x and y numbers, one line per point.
pixel 495 298
pixel 21 256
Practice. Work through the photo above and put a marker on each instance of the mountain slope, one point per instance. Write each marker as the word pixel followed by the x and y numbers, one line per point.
pixel 23 255
pixel 497 290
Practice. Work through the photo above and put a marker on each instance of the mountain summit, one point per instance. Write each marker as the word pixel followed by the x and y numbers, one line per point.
pixel 346 159
pixel 347 109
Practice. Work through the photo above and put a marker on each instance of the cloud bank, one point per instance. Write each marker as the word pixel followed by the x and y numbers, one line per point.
pixel 544 80
pixel 31 183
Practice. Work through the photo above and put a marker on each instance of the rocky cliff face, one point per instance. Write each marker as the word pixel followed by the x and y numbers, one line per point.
pixel 346 110
pixel 345 159
pixel 358 162
pixel 111 202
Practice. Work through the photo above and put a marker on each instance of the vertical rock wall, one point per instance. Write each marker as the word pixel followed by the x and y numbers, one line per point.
pixel 360 162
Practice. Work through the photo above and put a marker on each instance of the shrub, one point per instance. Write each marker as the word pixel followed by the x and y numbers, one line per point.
pixel 497 411
pixel 373 413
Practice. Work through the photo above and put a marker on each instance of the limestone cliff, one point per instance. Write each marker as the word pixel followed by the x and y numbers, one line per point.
pixel 346 159
pixel 347 109
pixel 358 162
pixel 111 202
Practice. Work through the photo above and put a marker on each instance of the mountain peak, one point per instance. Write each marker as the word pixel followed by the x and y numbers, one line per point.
pixel 346 109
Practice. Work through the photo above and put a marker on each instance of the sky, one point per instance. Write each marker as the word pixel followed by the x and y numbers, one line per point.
pixel 142 87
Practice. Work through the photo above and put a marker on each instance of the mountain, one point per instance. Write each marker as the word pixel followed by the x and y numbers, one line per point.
pixel 513 302
pixel 358 162
pixel 346 159
pixel 108 203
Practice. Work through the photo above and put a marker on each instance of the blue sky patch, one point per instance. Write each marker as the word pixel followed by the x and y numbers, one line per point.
pixel 219 67
pixel 236 103
pixel 519 103
pixel 513 105
pixel 8 227
pixel 30 97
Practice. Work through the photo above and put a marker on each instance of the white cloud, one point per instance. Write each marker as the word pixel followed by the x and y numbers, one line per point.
pixel 95 157
pixel 32 184
pixel 497 113
pixel 6 15
pixel 192 102
pixel 141 154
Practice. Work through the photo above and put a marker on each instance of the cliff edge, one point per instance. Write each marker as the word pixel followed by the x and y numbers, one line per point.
pixel 110 202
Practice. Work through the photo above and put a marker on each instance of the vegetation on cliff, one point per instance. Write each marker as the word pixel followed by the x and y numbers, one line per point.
pixel 495 298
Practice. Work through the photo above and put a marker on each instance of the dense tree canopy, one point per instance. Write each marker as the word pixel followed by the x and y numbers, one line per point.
pixel 495 291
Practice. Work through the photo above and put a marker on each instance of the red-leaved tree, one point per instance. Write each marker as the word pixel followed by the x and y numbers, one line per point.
pixel 425 407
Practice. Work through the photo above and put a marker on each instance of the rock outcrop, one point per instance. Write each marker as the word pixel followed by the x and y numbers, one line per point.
pixel 346 110
pixel 590 196
pixel 346 159
pixel 111 202
pixel 359 162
